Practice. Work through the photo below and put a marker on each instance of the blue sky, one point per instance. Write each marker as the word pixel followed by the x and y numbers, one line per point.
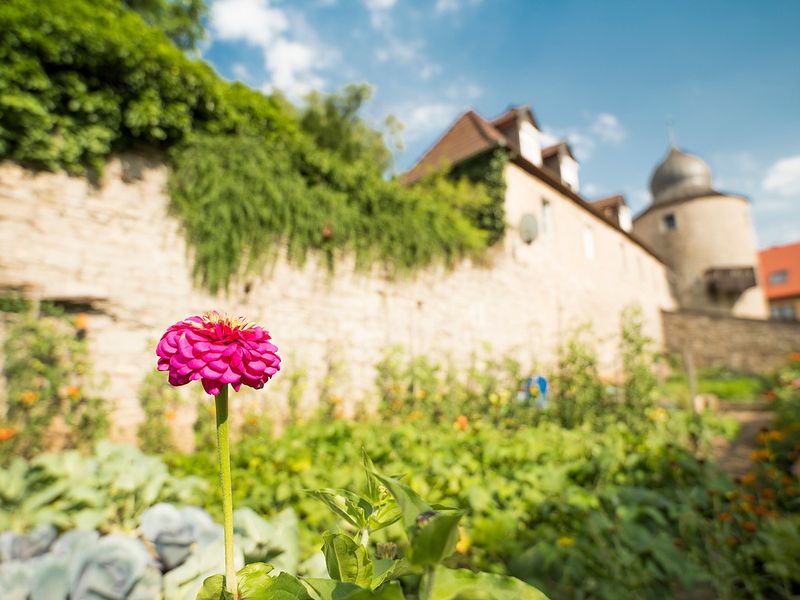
pixel 606 75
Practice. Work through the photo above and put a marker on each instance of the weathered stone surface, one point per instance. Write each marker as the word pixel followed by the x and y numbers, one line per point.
pixel 712 340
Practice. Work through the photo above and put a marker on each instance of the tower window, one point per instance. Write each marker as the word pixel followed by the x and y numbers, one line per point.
pixel 670 222
pixel 778 277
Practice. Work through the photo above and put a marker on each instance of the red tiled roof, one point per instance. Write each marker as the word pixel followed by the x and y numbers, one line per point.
pixel 776 259
pixel 469 135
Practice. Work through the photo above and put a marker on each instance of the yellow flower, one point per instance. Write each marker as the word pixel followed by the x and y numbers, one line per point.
pixel 464 541
pixel 74 392
pixel 565 542
pixel 171 414
pixel 28 397
pixel 421 394
pixel 762 454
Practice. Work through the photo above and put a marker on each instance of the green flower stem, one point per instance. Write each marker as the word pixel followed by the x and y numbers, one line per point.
pixel 224 456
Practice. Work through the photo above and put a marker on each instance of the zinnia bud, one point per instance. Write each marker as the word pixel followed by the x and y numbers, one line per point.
pixel 217 349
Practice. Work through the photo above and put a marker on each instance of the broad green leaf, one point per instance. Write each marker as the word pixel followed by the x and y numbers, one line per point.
pixel 252 578
pixel 282 587
pixel 356 509
pixel 460 584
pixel 435 540
pixel 411 505
pixel 386 569
pixel 214 589
pixel 328 589
pixel 346 560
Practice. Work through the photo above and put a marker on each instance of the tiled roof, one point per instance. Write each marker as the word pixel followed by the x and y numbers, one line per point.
pixel 614 201
pixel 469 135
pixel 775 260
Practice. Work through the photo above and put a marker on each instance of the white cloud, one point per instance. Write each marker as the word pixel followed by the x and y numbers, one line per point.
pixel 425 119
pixel 241 72
pixel 783 177
pixel 603 128
pixel 291 60
pixel 452 6
pixel 292 66
pixel 379 11
pixel 608 128
pixel 253 21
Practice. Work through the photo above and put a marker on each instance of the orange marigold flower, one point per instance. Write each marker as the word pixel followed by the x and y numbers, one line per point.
pixel 82 322
pixel 6 433
pixel 171 414
pixel 461 423
pixel 73 391
pixel 794 356
pixel 749 526
pixel 761 454
pixel 725 516
pixel 28 397
pixel 748 479
pixel 761 510
pixel 773 514
pixel 768 493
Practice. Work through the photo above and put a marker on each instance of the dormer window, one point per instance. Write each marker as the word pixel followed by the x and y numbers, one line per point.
pixel 530 145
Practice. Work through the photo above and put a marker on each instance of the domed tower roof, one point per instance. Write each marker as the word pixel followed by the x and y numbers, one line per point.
pixel 678 176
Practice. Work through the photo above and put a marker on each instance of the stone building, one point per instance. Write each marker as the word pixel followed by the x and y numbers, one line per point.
pixel 705 236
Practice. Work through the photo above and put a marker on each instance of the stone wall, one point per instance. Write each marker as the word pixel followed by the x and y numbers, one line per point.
pixel 112 247
pixel 750 345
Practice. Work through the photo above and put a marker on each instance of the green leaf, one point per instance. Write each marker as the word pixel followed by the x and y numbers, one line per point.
pixel 386 569
pixel 411 505
pixel 251 579
pixel 435 540
pixel 356 509
pixel 282 587
pixel 346 560
pixel 460 584
pixel 214 589
pixel 373 487
pixel 328 589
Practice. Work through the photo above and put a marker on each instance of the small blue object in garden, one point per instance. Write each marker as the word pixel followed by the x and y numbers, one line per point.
pixel 541 385
pixel 534 387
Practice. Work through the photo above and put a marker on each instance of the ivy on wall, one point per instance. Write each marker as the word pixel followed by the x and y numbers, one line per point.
pixel 82 79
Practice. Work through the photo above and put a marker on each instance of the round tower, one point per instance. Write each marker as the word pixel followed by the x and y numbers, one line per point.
pixel 705 236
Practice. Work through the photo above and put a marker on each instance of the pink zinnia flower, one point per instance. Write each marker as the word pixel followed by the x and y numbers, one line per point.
pixel 217 349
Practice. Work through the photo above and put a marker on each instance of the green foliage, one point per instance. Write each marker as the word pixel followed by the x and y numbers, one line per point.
pixel 240 198
pixel 107 490
pixel 638 360
pixel 48 381
pixel 181 20
pixel 580 395
pixel 160 404
pixel 488 169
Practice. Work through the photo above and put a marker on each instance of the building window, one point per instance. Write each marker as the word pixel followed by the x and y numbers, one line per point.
pixel 588 242
pixel 778 277
pixel 670 222
pixel 782 312
pixel 547 217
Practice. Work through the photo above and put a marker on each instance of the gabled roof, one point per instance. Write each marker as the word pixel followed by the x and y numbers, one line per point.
pixel 614 201
pixel 776 259
pixel 522 111
pixel 469 135
pixel 558 147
